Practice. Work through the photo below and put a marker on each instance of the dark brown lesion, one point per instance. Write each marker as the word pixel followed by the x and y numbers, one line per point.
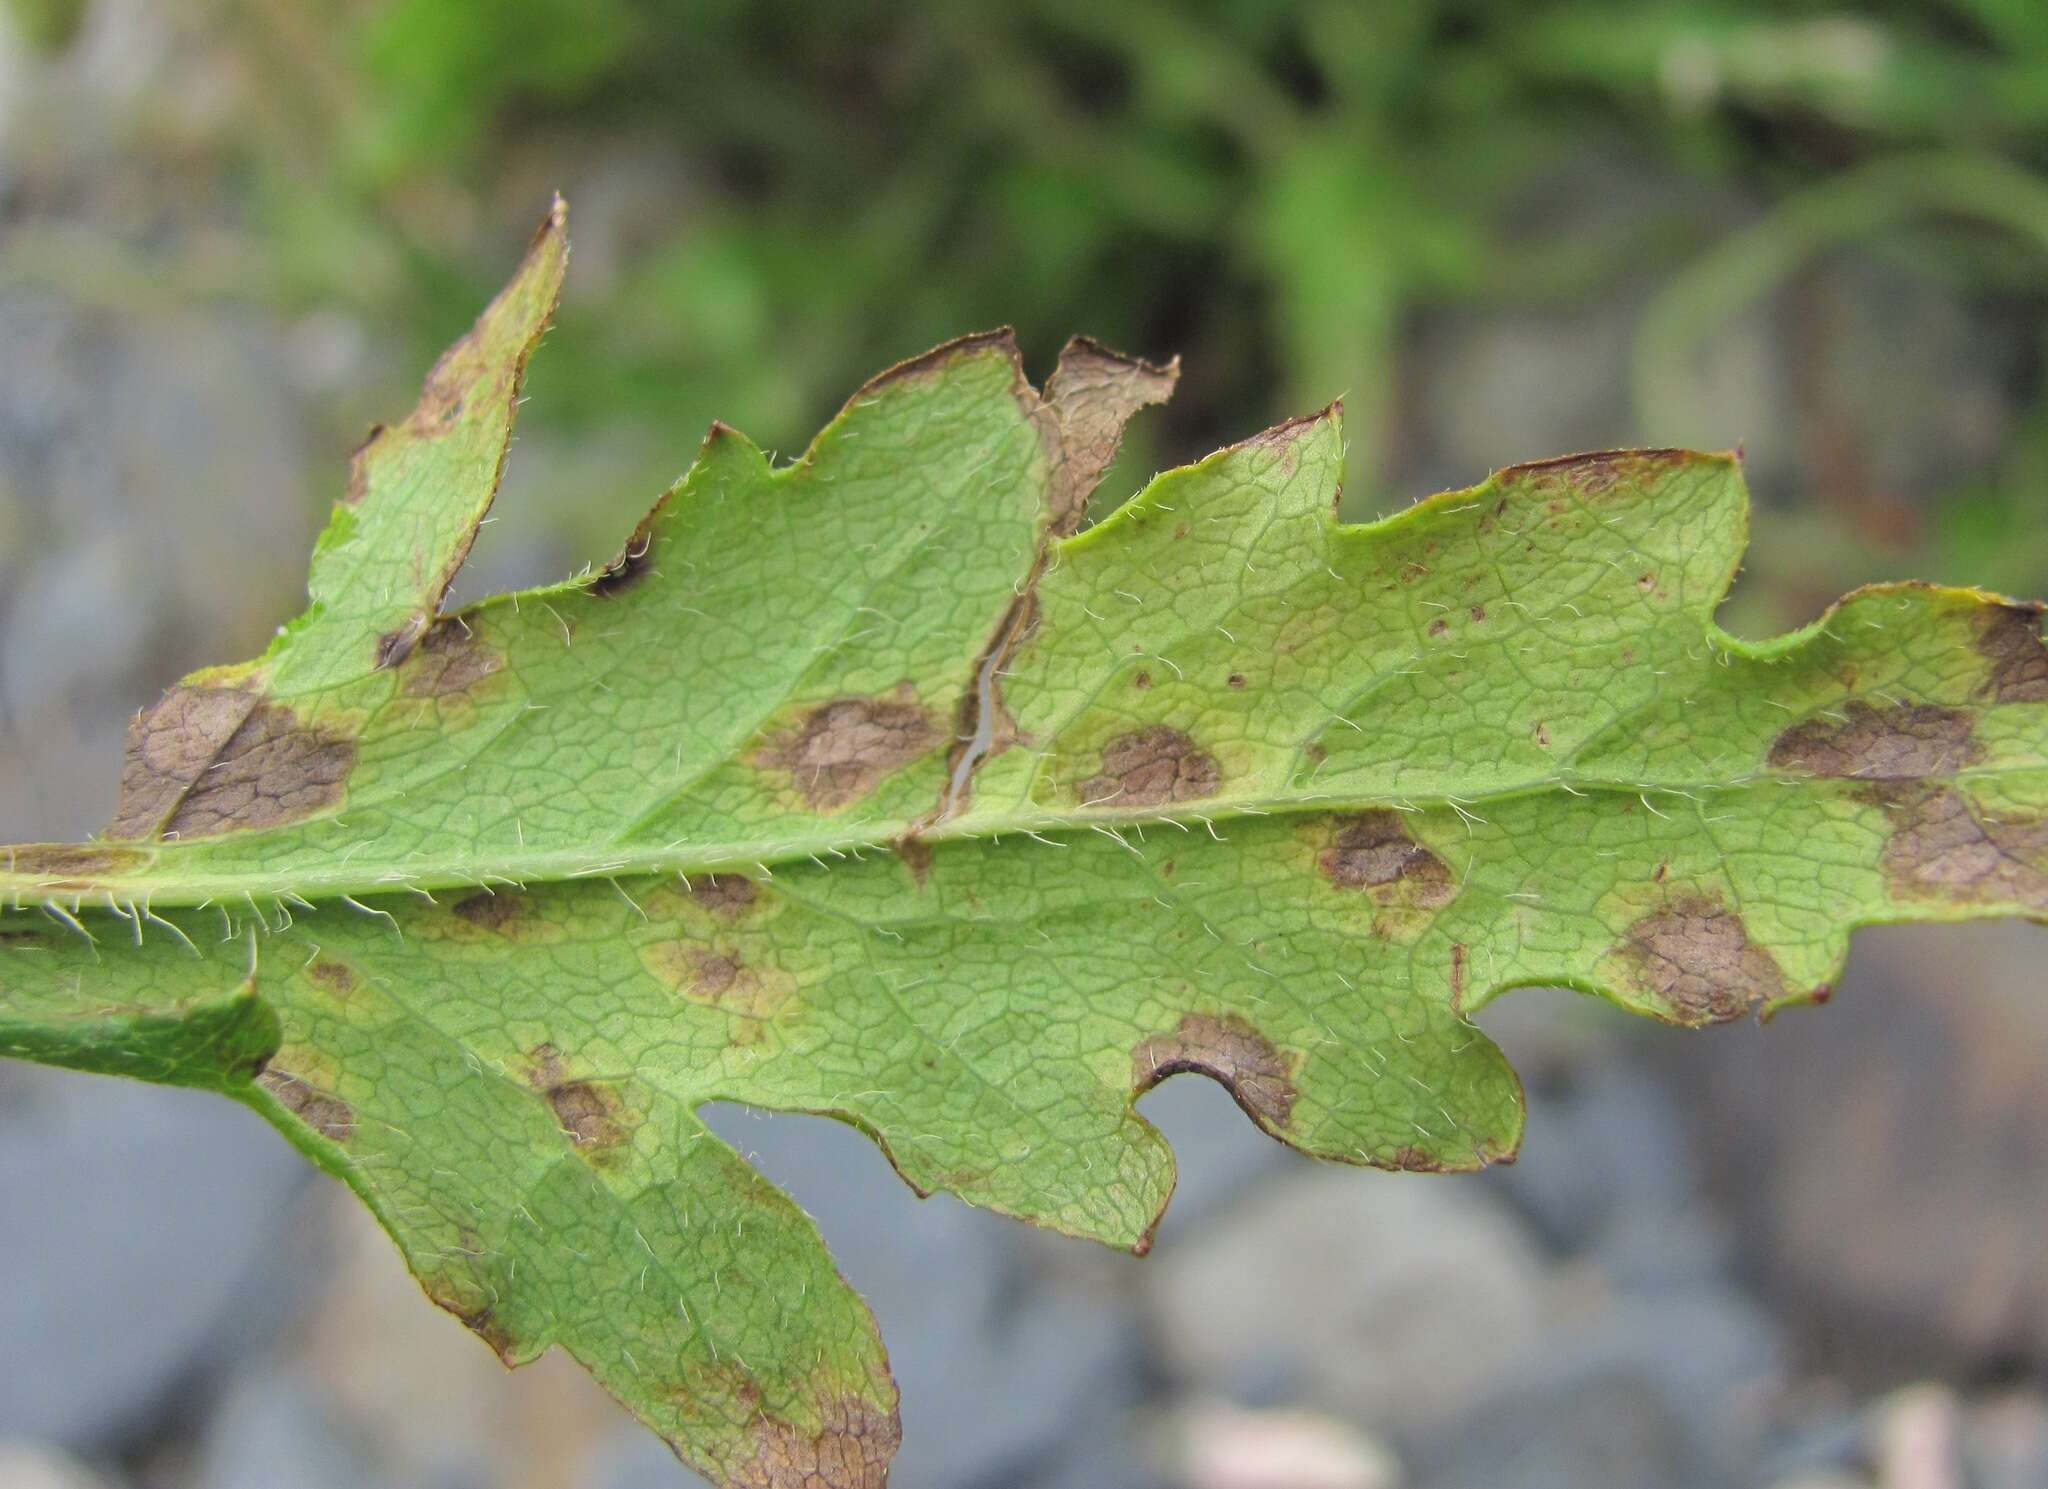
pixel 719 976
pixel 331 976
pixel 728 896
pixel 2010 641
pixel 916 856
pixel 1693 958
pixel 841 750
pixel 1374 850
pixel 169 745
pixel 71 861
pixel 1229 1050
pixel 491 910
pixel 330 1116
pixel 466 1297
pixel 849 1449
pixel 587 1111
pixel 1414 1159
pixel 396 646
pixel 206 761
pixel 1901 741
pixel 713 974
pixel 1153 766
pixel 633 563
pixel 450 659
pixel 1944 847
pixel 1596 471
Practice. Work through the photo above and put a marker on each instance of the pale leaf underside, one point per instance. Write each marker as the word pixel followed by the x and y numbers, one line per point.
pixel 866 785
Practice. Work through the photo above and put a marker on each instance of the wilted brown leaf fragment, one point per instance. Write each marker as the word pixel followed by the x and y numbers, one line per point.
pixel 1091 395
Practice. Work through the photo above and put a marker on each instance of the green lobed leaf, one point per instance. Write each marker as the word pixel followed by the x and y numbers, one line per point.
pixel 869 785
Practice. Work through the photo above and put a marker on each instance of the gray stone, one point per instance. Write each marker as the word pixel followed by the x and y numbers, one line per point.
pixel 1604 1147
pixel 1882 1155
pixel 144 1236
pixel 636 1459
pixel 29 1465
pixel 1596 1432
pixel 1389 1298
pixel 272 1428
pixel 2006 1442
pixel 1661 1390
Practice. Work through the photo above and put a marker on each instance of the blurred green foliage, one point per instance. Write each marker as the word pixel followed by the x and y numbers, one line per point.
pixel 790 194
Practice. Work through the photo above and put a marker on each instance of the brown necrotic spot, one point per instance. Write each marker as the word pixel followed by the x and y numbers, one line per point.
pixel 2011 642
pixel 463 1296
pixel 717 977
pixel 1896 742
pixel 490 910
pixel 713 973
pixel 728 896
pixel 214 760
pixel 1150 767
pixel 71 861
pixel 330 1116
pixel 1695 959
pixel 1597 471
pixel 169 745
pixel 358 468
pixel 1229 1051
pixel 850 1449
pixel 916 854
pixel 1373 850
pixel 451 658
pixel 332 976
pixel 440 404
pixel 484 1323
pixel 1415 1160
pixel 1943 847
pixel 587 1111
pixel 399 643
pixel 842 749
pixel 633 564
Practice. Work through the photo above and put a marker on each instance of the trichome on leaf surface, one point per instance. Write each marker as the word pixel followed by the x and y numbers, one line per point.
pixel 875 785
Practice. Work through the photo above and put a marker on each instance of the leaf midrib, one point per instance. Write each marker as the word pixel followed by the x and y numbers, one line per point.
pixel 155 890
